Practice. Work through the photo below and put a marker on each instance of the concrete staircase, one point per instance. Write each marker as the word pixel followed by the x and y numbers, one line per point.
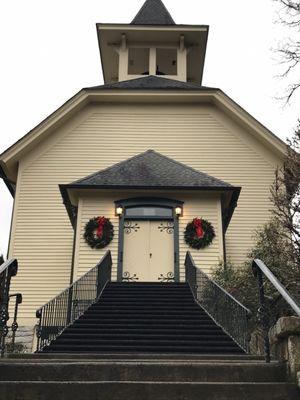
pixel 147 377
pixel 145 317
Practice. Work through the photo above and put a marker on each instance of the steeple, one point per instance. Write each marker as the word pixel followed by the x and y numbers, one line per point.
pixel 153 12
pixel 152 45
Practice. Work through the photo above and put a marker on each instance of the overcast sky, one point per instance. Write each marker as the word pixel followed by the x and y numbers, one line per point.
pixel 49 52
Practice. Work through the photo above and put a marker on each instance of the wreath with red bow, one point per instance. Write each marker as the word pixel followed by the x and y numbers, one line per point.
pixel 199 233
pixel 99 232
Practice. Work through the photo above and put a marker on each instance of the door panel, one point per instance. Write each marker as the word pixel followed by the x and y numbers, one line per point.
pixel 148 251
pixel 136 250
pixel 162 250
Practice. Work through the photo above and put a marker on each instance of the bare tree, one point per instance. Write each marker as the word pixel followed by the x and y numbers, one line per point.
pixel 285 196
pixel 289 49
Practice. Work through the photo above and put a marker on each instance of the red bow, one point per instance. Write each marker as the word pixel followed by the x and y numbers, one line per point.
pixel 101 222
pixel 198 227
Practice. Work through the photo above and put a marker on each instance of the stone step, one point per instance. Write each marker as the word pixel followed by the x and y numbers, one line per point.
pixel 147 340
pixel 114 334
pixel 128 330
pixel 143 347
pixel 143 371
pixel 147 391
pixel 137 316
pixel 146 305
pixel 147 311
pixel 142 323
pixel 134 357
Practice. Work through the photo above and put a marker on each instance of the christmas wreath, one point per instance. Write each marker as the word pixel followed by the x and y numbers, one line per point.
pixel 199 233
pixel 99 232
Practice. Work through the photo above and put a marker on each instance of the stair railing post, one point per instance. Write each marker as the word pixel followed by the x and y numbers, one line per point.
pixel 263 313
pixel 14 325
pixel 8 270
pixel 191 274
pixel 98 283
pixel 39 329
pixel 70 305
pixel 4 316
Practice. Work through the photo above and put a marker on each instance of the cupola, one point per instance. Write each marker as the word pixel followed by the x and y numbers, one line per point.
pixel 152 44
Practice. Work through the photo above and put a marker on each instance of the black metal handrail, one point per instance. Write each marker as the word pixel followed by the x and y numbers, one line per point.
pixel 260 270
pixel 70 304
pixel 222 307
pixel 7 270
pixel 14 326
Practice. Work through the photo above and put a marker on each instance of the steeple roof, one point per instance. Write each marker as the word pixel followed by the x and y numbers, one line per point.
pixel 153 12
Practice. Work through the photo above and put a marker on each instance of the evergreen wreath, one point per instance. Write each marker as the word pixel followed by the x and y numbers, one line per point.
pixel 199 233
pixel 99 232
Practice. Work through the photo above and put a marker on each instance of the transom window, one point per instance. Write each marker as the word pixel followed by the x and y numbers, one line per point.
pixel 149 211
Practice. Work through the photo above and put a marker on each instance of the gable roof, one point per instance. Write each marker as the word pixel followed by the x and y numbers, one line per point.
pixel 151 170
pixel 10 157
pixel 152 82
pixel 153 12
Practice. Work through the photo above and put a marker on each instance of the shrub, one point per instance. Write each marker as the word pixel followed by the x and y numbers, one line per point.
pixel 272 248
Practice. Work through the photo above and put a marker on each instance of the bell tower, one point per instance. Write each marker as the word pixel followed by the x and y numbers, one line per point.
pixel 152 44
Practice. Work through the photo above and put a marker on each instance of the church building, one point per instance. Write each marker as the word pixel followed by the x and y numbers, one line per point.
pixel 143 171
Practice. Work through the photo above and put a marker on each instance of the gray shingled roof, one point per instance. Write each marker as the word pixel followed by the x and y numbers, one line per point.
pixel 151 170
pixel 152 82
pixel 153 12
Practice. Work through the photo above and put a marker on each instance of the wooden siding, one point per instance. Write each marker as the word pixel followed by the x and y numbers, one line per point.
pixel 101 135
pixel 195 204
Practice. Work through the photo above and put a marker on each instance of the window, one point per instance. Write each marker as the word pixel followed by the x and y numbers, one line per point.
pixel 138 61
pixel 149 211
pixel 166 61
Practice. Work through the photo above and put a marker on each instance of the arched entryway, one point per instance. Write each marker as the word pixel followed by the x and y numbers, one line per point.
pixel 148 240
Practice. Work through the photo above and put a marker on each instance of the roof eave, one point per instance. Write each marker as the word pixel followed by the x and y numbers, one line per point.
pixel 106 26
pixel 85 96
pixel 147 187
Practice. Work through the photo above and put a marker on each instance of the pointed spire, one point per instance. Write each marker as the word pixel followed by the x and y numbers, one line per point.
pixel 153 12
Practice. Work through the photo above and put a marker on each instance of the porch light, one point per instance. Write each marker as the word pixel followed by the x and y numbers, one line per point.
pixel 119 210
pixel 178 211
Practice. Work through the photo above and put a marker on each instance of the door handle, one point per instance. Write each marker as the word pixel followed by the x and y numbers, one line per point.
pixel 150 255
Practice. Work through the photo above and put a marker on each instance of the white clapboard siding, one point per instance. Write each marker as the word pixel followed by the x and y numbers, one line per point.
pixel 102 135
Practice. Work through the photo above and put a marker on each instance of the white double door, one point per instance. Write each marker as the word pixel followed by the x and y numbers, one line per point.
pixel 148 253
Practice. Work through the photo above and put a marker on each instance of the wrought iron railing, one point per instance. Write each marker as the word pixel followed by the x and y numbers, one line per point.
pixel 14 326
pixel 223 308
pixel 7 270
pixel 70 304
pixel 260 271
